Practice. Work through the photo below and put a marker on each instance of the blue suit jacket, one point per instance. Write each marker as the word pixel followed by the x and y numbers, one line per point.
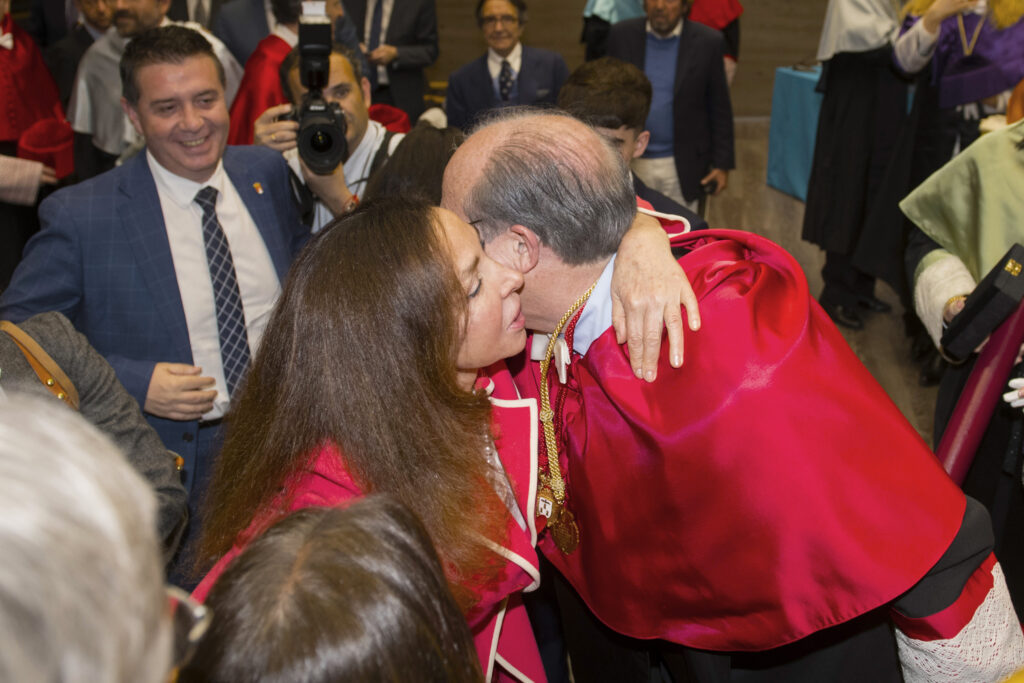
pixel 702 130
pixel 241 25
pixel 471 89
pixel 103 259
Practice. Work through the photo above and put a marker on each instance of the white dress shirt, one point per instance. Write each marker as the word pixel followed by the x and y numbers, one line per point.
pixel 356 167
pixel 254 269
pixel 514 59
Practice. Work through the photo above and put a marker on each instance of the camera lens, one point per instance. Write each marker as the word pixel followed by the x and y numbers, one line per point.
pixel 320 141
pixel 321 138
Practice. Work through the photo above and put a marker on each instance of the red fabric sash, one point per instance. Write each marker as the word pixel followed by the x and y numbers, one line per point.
pixel 766 490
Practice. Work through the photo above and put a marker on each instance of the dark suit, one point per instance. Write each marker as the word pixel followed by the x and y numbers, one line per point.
pixel 413 30
pixel 62 59
pixel 178 11
pixel 241 25
pixel 471 90
pixel 702 129
pixel 103 259
pixel 663 204
pixel 47 21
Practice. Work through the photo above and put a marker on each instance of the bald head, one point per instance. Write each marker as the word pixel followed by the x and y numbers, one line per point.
pixel 549 173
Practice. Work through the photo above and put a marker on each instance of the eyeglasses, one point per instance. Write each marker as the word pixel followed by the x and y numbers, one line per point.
pixel 493 20
pixel 190 621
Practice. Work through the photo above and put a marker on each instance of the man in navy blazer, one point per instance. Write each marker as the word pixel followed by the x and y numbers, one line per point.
pixel 534 76
pixel 404 47
pixel 124 257
pixel 691 113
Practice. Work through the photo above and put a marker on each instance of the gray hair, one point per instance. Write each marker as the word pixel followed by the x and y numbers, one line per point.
pixel 565 183
pixel 81 582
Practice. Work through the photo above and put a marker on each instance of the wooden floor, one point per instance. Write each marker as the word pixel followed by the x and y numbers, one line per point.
pixel 749 204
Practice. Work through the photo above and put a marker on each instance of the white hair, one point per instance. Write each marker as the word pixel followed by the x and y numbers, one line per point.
pixel 81 580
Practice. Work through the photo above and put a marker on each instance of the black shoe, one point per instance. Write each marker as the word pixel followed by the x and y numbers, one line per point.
pixel 934 367
pixel 922 347
pixel 844 315
pixel 873 304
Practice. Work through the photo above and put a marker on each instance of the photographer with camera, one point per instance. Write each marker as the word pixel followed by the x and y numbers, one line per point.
pixel 326 135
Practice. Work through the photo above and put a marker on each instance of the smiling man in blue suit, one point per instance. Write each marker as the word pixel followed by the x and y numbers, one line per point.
pixel 170 264
pixel 509 74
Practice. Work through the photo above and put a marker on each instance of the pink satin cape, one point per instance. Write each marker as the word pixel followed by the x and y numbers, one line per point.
pixel 499 623
pixel 766 490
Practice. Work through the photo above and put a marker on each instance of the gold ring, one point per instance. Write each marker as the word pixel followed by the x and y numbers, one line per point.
pixel 273 137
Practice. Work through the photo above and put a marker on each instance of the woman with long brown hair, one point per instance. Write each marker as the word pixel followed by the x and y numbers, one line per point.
pixel 365 382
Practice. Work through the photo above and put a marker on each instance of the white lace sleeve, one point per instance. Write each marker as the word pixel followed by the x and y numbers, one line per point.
pixel 989 648
pixel 943 277
pixel 914 49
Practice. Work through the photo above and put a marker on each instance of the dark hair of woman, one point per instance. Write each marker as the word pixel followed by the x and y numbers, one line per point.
pixel 360 353
pixel 353 593
pixel 416 167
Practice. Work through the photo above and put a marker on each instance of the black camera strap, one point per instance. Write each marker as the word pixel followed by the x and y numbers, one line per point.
pixel 304 198
pixel 383 152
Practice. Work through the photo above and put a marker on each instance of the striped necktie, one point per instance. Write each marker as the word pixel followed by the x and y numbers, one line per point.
pixel 505 80
pixel 234 339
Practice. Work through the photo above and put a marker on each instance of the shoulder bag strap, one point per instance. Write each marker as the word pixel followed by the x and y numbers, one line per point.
pixel 50 374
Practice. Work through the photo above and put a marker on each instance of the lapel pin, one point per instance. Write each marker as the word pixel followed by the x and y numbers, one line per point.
pixel 258 188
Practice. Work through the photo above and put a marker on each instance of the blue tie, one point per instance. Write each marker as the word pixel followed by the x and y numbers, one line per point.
pixel 373 40
pixel 505 80
pixel 234 339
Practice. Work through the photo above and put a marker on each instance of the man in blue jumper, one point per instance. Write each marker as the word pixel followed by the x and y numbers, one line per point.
pixel 691 147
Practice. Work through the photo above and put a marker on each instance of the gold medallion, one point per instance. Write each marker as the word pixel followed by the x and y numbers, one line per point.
pixel 565 532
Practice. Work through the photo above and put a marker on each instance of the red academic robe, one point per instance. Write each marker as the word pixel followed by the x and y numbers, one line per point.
pixel 27 90
pixel 499 623
pixel 766 490
pixel 259 90
pixel 715 13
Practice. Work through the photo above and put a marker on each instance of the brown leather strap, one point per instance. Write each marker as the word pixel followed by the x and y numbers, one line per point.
pixel 50 374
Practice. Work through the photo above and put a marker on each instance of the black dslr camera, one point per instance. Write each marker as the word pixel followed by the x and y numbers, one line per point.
pixel 322 126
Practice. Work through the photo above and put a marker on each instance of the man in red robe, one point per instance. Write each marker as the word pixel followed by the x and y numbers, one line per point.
pixel 767 494
pixel 27 95
pixel 261 84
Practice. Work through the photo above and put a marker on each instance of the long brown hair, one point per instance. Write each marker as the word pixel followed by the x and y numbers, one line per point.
pixel 360 353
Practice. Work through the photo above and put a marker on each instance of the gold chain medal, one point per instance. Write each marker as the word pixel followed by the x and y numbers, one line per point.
pixel 551 497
